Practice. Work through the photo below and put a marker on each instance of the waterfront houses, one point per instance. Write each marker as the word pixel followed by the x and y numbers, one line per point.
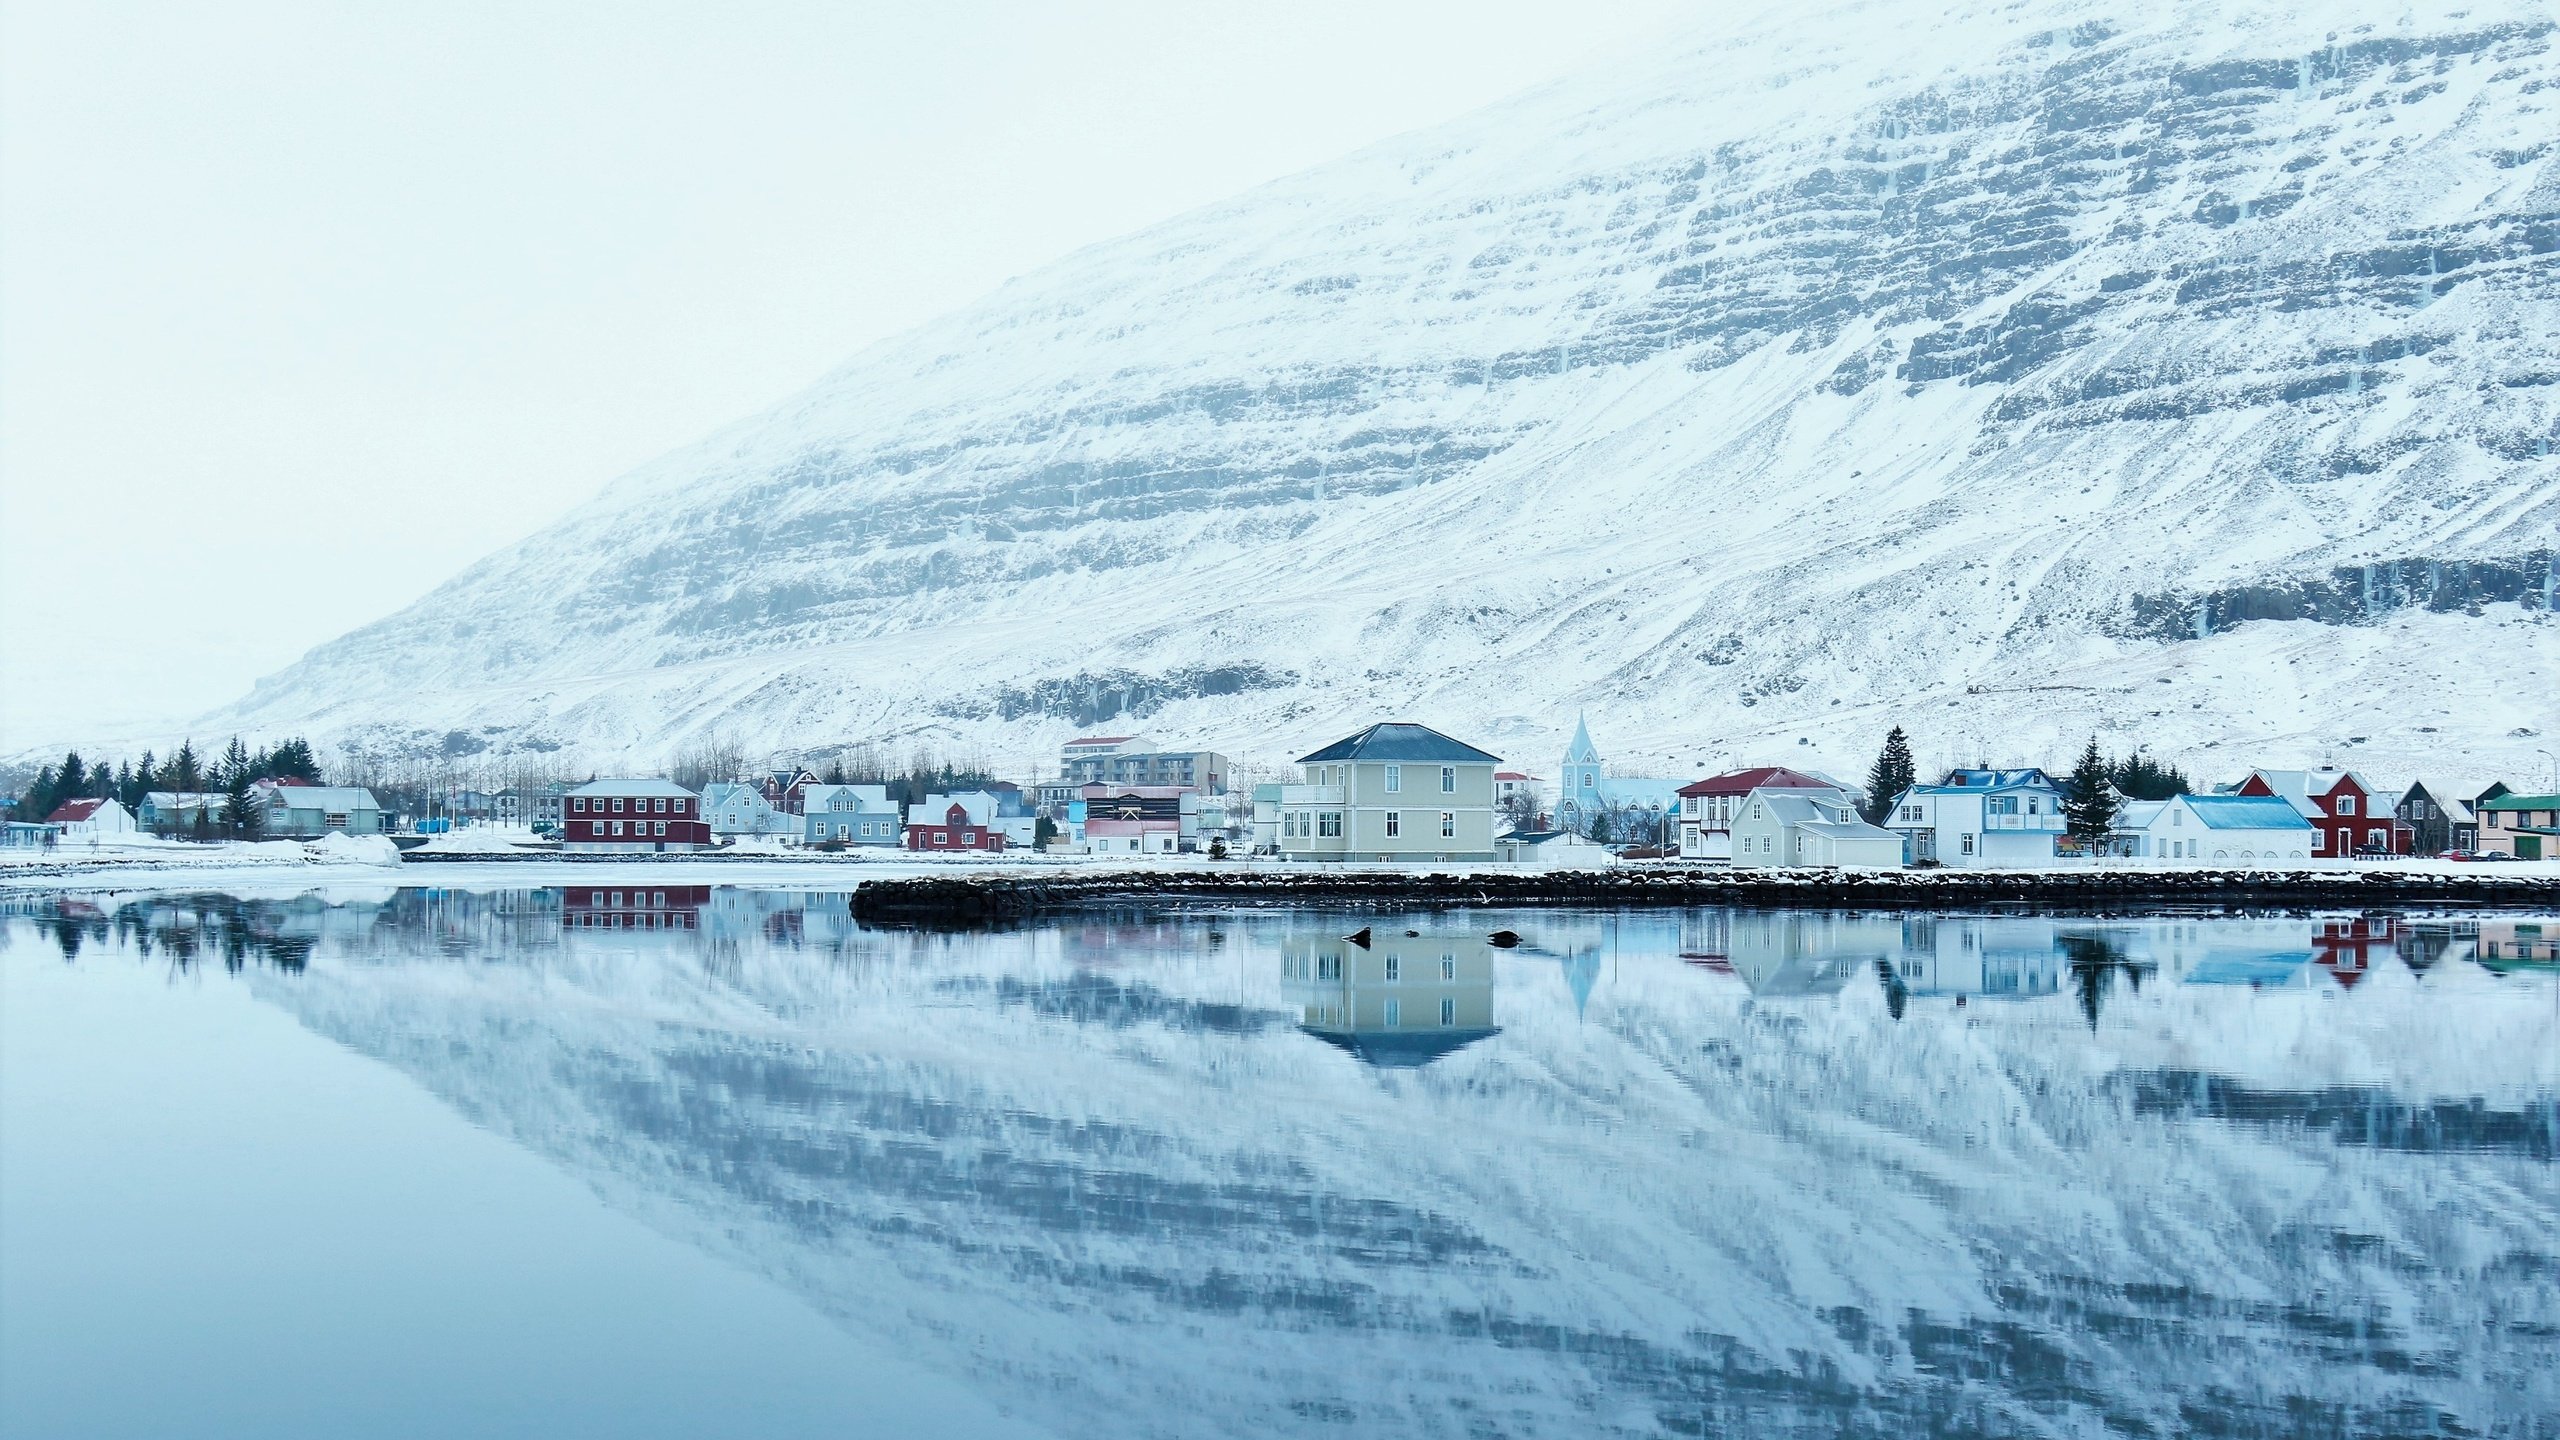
pixel 1395 791
pixel 2218 830
pixel 1980 817
pixel 1139 819
pixel 2348 816
pixel 947 823
pixel 2526 827
pixel 1791 827
pixel 1707 806
pixel 630 816
pixel 735 811
pixel 297 811
pixel 850 815
pixel 181 812
pixel 91 819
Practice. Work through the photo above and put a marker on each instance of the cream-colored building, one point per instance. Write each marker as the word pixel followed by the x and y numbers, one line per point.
pixel 1399 1000
pixel 1393 792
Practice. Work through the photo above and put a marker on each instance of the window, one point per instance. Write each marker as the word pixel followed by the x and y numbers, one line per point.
pixel 335 820
pixel 939 838
pixel 617 827
pixel 2346 804
pixel 1587 780
pixel 1966 846
pixel 2377 839
pixel 1395 967
pixel 1755 809
pixel 680 804
pixel 1448 1010
pixel 1395 1014
pixel 579 805
pixel 1395 778
pixel 1448 825
pixel 2177 817
pixel 662 827
pixel 617 807
pixel 1448 779
pixel 1395 823
pixel 1331 824
pixel 2319 838
pixel 1448 967
pixel 662 805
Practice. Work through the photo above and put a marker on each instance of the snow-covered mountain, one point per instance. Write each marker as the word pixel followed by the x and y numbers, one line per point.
pixel 2005 370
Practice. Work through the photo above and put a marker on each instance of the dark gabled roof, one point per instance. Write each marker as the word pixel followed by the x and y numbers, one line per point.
pixel 1398 740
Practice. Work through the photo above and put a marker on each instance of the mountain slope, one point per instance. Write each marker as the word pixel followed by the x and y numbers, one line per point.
pixel 1816 369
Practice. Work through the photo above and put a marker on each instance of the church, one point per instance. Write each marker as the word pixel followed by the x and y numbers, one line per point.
pixel 1637 811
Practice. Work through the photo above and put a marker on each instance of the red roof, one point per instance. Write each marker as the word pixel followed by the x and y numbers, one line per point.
pixel 1100 739
pixel 1743 782
pixel 1509 775
pixel 73 811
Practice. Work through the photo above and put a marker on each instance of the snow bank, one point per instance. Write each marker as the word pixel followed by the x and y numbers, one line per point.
pixel 355 850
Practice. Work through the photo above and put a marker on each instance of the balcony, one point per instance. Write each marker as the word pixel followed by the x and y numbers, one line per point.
pixel 1311 794
pixel 2052 823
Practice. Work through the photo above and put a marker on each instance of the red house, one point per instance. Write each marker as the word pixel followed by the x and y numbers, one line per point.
pixel 673 907
pixel 629 816
pixel 2347 815
pixel 944 823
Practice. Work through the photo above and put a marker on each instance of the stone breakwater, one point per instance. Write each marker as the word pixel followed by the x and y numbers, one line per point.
pixel 984 899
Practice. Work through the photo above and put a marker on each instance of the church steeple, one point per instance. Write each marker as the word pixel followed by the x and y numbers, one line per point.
pixel 1578 797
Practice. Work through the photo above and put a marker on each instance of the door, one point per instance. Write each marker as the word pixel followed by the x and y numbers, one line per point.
pixel 2528 847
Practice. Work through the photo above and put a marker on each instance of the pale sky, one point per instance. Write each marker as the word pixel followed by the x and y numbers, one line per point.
pixel 303 307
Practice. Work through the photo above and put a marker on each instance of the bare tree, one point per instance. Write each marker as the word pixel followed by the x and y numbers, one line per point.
pixel 709 759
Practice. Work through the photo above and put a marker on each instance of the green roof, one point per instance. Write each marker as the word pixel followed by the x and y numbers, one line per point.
pixel 2522 802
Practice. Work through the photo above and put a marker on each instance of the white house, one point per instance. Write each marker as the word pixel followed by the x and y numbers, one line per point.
pixel 741 810
pixel 1786 827
pixel 1980 817
pixel 2221 830
pixel 92 820
pixel 1553 850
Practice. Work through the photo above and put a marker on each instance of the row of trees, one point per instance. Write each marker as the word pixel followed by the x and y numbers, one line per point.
pixel 232 772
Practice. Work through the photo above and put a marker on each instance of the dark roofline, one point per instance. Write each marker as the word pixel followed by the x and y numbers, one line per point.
pixel 1412 742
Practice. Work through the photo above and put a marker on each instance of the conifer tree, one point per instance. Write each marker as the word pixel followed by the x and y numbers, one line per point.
pixel 1892 774
pixel 239 771
pixel 186 771
pixel 2088 798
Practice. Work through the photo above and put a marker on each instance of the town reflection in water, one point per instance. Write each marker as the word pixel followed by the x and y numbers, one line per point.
pixel 1702 1172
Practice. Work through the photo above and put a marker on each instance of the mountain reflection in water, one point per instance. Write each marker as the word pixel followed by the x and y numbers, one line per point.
pixel 1713 1172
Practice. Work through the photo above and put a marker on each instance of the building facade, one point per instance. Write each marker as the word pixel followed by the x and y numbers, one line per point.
pixel 2524 826
pixel 735 810
pixel 1707 806
pixel 633 816
pixel 2348 817
pixel 943 824
pixel 2222 830
pixel 841 815
pixel 1980 817
pixel 1791 827
pixel 307 812
pixel 1393 792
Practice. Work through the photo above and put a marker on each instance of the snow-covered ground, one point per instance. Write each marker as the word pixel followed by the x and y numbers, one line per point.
pixel 1823 368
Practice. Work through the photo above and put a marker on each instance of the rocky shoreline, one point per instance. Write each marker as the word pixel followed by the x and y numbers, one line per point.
pixel 987 899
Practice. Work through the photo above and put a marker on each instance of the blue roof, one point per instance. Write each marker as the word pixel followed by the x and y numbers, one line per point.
pixel 1397 740
pixel 2246 812
pixel 2029 778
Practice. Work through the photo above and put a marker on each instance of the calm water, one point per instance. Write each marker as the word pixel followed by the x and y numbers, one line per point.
pixel 721 1161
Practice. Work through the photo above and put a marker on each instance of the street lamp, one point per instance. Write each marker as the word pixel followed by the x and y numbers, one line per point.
pixel 2555 770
